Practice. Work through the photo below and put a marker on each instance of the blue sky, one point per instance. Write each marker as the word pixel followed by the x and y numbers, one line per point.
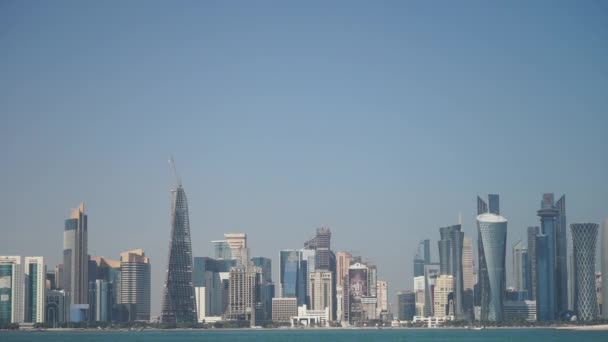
pixel 381 120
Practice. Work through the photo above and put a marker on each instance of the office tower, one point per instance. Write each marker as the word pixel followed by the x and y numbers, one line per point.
pixel 604 267
pixel 135 282
pixel 450 261
pixel 382 294
pixel 468 266
pixel 584 237
pixel 34 276
pixel 343 260
pixel 520 266
pixel 561 257
pixel 59 276
pixel 11 300
pixel 50 283
pixel 109 271
pixel 243 292
pixel 283 309
pixel 431 272
pixel 321 244
pixel 357 289
pixel 320 290
pixel 444 288
pixel 210 277
pixel 546 299
pixel 237 243
pixel 372 280
pixel 75 258
pixel 418 266
pixel 493 204
pixel 482 206
pixel 101 301
pixel 289 273
pixel 426 250
pixel 55 307
pixel 531 286
pixel 178 304
pixel 406 305
pixel 222 249
pixel 493 231
pixel 265 264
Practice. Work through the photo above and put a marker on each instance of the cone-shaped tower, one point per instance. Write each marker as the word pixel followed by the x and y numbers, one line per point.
pixel 178 303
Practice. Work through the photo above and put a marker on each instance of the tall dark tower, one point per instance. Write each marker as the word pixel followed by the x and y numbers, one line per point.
pixel 178 303
pixel 561 258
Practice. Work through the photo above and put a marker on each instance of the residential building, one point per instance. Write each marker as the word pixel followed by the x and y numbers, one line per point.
pixel 584 237
pixel 443 292
pixel 136 282
pixel 320 288
pixel 243 292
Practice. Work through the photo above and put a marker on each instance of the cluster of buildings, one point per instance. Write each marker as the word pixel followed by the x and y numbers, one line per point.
pixel 82 288
pixel 554 272
pixel 554 277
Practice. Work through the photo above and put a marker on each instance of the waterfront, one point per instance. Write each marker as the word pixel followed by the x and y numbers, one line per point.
pixel 305 335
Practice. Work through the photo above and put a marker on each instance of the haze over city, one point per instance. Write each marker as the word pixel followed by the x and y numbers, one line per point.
pixel 382 123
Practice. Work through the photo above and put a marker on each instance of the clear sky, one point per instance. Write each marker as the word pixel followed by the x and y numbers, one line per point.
pixel 379 119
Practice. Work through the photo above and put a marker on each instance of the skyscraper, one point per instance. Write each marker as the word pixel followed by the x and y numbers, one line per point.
pixel 221 249
pixel 431 272
pixel 561 257
pixel 444 288
pixel 34 289
pixel 76 258
pixel 546 300
pixel 178 304
pixel 531 287
pixel 406 305
pixel 520 266
pixel 426 250
pixel 243 292
pixel 483 285
pixel 320 290
pixel 467 264
pixel 493 231
pixel 382 294
pixel 237 243
pixel 321 244
pixel 450 261
pixel 584 237
pixel 11 300
pixel 135 282
pixel 494 204
pixel 265 264
pixel 605 269
pixel 343 260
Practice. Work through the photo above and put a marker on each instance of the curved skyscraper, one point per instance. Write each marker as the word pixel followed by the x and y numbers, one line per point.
pixel 493 232
pixel 584 237
pixel 178 303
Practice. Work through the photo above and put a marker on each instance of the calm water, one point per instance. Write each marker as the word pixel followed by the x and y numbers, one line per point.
pixel 518 335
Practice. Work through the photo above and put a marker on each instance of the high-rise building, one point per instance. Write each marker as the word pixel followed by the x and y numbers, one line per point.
pixel 426 250
pixel 406 305
pixel 418 266
pixel 283 309
pixel 431 272
pixel 101 301
pixel 531 286
pixel 55 307
pixel 494 204
pixel 321 244
pixel 584 237
pixel 546 297
pixel 450 261
pixel 468 266
pixel 11 300
pixel 419 292
pixel 483 282
pixel 295 265
pixel 444 289
pixel 561 257
pixel 520 266
pixel 178 304
pixel 210 277
pixel 320 288
pixel 357 290
pixel 136 282
pixel 493 231
pixel 109 270
pixel 343 260
pixel 34 289
pixel 605 269
pixel 382 294
pixel 237 243
pixel 265 264
pixel 243 292
pixel 75 258
pixel 221 249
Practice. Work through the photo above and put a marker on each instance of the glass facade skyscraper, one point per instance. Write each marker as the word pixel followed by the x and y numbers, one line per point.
pixel 10 289
pixel 546 305
pixel 34 289
pixel 532 282
pixel 483 285
pixel 178 304
pixel 561 257
pixel 450 261
pixel 493 231
pixel 584 239
pixel 75 258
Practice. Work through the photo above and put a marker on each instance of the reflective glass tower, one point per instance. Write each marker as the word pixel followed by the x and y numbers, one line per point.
pixel 76 258
pixel 531 285
pixel 483 281
pixel 604 266
pixel 450 261
pixel 546 305
pixel 493 231
pixel 178 304
pixel 584 239
pixel 561 257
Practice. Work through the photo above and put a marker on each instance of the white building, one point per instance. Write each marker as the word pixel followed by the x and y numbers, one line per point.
pixel 320 289
pixel 419 292
pixel 35 281
pixel 11 284
pixel 238 244
pixel 444 286
pixel 382 294
pixel 310 317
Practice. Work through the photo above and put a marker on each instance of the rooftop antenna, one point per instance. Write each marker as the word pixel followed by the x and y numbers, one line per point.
pixel 178 180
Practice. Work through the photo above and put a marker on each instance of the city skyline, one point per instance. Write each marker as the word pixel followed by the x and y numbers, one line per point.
pixel 369 120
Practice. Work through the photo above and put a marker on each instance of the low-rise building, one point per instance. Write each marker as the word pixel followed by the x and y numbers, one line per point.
pixel 283 309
